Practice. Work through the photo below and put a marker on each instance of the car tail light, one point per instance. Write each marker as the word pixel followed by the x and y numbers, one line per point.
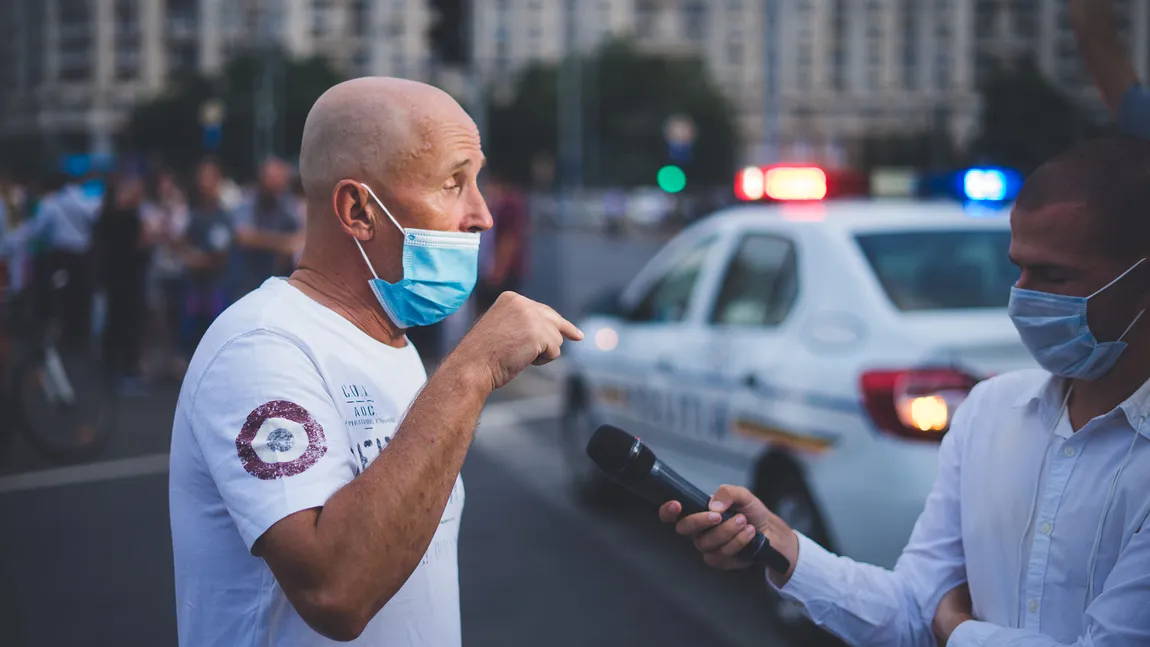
pixel 916 403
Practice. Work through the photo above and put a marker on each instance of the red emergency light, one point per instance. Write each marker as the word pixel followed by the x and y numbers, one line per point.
pixel 782 183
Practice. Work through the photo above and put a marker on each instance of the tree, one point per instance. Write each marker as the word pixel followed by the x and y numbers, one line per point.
pixel 1026 120
pixel 627 97
pixel 168 127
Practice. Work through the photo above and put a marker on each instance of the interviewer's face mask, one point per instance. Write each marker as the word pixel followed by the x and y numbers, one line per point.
pixel 440 269
pixel 1055 330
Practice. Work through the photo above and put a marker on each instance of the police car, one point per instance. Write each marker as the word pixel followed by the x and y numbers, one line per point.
pixel 813 352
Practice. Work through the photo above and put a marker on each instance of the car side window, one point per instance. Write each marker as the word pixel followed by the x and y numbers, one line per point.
pixel 760 284
pixel 667 300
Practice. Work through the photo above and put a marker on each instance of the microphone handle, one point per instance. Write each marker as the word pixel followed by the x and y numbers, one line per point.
pixel 664 484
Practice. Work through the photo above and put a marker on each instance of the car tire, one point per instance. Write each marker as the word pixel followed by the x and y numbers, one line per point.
pixel 785 493
pixel 589 484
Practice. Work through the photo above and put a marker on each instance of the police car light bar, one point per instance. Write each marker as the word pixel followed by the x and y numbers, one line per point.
pixel 796 183
pixel 782 183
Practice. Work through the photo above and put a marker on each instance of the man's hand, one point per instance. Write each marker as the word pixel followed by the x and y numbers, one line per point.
pixel 513 333
pixel 954 609
pixel 721 543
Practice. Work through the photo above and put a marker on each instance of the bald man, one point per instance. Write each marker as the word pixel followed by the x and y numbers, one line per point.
pixel 315 490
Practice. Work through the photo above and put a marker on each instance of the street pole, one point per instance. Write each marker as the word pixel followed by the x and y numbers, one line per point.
pixel 266 87
pixel 770 82
pixel 570 138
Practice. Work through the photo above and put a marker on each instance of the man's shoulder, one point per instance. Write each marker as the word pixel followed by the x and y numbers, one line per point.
pixel 1010 387
pixel 995 398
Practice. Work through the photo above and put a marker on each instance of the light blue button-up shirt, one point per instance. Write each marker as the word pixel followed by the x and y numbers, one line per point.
pixel 1028 513
pixel 66 220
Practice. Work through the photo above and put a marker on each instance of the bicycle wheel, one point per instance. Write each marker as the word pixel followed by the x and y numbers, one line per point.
pixel 65 404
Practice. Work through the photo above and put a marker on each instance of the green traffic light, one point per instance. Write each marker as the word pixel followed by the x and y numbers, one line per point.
pixel 672 179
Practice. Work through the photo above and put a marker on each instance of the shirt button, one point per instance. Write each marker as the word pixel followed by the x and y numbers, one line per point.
pixel 1032 605
pixel 1046 527
pixel 1069 452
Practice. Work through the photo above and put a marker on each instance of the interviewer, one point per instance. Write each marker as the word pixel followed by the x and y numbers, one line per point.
pixel 1034 534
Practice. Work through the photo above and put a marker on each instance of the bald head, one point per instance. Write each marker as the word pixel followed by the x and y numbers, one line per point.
pixel 374 130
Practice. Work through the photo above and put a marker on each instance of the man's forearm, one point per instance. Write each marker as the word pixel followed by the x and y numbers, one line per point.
pixel 379 526
pixel 829 588
pixel 1102 51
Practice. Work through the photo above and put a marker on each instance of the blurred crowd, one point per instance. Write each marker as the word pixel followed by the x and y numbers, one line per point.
pixel 145 262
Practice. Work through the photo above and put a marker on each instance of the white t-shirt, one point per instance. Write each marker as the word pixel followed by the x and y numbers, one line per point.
pixel 284 403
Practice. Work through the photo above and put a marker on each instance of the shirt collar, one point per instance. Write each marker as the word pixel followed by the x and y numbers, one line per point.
pixel 1048 393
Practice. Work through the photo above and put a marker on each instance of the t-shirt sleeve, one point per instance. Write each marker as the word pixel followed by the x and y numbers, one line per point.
pixel 271 436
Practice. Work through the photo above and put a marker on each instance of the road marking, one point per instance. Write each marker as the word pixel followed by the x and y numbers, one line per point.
pixel 495 416
pixel 89 473
pixel 513 412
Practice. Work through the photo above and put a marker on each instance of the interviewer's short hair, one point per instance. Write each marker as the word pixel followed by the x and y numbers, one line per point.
pixel 1109 179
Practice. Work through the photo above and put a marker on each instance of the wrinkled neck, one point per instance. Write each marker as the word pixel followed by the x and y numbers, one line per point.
pixel 340 282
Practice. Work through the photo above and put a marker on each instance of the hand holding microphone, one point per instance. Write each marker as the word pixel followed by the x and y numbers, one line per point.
pixel 721 538
pixel 732 529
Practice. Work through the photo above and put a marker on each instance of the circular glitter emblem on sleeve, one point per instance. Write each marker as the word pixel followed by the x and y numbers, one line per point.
pixel 279 439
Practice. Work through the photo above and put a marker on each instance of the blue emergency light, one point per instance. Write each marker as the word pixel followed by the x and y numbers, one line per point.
pixel 990 184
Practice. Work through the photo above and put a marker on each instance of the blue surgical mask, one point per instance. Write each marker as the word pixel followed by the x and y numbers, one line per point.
pixel 440 269
pixel 1055 330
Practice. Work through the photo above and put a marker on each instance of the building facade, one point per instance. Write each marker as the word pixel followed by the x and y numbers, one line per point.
pixel 72 69
pixel 809 79
pixel 814 79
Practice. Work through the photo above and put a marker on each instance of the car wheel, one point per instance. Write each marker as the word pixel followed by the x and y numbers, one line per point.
pixel 785 493
pixel 578 424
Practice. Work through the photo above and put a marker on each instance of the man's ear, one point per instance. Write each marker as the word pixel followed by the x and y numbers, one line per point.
pixel 350 203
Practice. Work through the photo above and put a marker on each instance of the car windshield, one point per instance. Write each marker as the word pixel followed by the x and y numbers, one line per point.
pixel 942 270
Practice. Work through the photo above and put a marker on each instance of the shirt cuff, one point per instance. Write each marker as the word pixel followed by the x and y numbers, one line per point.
pixel 972 633
pixel 1134 111
pixel 813 577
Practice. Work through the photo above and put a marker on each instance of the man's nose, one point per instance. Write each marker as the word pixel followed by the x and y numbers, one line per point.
pixel 478 215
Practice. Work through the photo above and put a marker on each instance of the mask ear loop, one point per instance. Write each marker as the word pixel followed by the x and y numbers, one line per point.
pixel 402 230
pixel 1106 511
pixel 389 216
pixel 1034 501
pixel 1099 290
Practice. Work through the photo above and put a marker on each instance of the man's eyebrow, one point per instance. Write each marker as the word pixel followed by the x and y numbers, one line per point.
pixel 464 163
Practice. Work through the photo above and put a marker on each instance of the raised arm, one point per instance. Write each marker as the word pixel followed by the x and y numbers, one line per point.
pixel 1106 59
pixel 340 547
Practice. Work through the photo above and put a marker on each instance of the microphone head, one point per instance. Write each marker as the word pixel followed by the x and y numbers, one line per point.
pixel 610 448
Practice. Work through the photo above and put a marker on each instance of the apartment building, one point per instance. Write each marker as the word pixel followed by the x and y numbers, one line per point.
pixel 72 69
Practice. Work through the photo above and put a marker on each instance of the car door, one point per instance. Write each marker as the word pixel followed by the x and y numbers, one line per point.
pixel 750 319
pixel 652 337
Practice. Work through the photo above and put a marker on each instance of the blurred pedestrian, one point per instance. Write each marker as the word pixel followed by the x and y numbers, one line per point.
pixel 315 490
pixel 122 250
pixel 206 243
pixel 166 221
pixel 59 235
pixel 267 228
pixel 12 206
pixel 503 255
pixel 1034 534
pixel 614 211
pixel 1110 65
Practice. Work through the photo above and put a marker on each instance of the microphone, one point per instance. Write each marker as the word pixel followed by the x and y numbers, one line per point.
pixel 628 461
